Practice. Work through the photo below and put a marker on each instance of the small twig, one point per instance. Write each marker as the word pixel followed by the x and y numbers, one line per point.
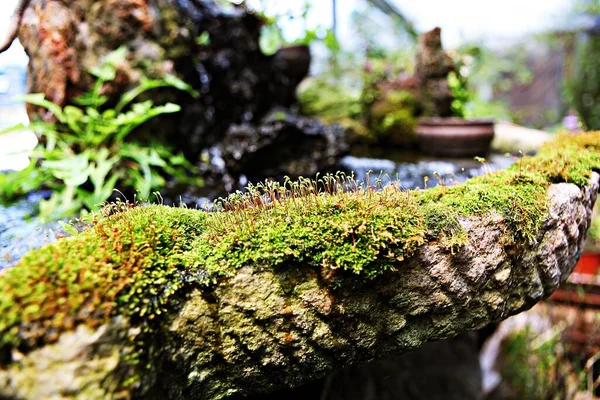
pixel 15 23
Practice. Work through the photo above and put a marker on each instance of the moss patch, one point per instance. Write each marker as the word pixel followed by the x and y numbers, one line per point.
pixel 362 232
pixel 126 263
pixel 133 262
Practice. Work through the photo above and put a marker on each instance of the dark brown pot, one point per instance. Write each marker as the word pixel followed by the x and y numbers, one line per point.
pixel 294 61
pixel 455 137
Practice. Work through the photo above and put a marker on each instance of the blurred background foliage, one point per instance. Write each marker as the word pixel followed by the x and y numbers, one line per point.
pixel 534 81
pixel 583 85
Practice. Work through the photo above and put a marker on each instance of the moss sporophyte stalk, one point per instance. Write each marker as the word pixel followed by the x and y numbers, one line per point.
pixel 133 262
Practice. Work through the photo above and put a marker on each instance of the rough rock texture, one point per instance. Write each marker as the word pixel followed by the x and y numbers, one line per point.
pixel 281 144
pixel 441 370
pixel 85 363
pixel 432 67
pixel 266 328
pixel 238 84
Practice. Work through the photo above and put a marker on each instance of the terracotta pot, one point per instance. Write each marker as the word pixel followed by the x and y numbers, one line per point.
pixel 455 137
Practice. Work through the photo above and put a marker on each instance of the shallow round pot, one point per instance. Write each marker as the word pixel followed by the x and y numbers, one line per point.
pixel 455 137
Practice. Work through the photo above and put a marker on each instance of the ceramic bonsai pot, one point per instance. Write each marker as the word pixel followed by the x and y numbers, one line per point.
pixel 294 61
pixel 455 137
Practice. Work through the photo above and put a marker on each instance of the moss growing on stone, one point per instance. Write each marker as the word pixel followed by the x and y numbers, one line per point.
pixel 362 232
pixel 519 197
pixel 133 262
pixel 569 158
pixel 127 263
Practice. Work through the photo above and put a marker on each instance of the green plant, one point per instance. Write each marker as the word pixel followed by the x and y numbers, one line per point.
pixel 583 87
pixel 331 103
pixel 531 366
pixel 84 156
pixel 392 116
pixel 539 360
pixel 272 36
pixel 460 91
pixel 594 232
pixel 482 71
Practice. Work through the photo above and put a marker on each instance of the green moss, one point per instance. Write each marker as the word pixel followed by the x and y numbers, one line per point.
pixel 127 263
pixel 134 262
pixel 519 197
pixel 443 224
pixel 361 232
pixel 567 159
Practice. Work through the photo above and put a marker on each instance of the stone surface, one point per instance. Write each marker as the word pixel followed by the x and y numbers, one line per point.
pixel 511 138
pixel 432 67
pixel 282 144
pixel 84 363
pixel 266 329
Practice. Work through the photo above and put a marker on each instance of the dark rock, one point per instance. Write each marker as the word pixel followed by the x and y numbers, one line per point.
pixel 445 369
pixel 282 144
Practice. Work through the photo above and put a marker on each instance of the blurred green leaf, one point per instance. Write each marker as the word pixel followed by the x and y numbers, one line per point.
pixel 84 157
pixel 38 99
pixel 68 228
pixel 203 39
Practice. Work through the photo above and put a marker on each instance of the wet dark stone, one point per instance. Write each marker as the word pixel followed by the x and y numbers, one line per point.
pixel 282 144
pixel 237 82
pixel 446 369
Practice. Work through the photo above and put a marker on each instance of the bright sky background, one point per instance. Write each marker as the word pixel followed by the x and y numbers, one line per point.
pixel 14 55
pixel 460 19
